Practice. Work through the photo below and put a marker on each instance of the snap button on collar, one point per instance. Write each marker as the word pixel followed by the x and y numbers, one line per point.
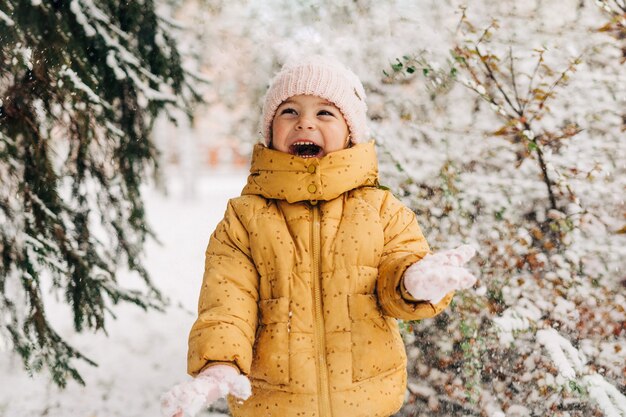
pixel 312 188
pixel 311 169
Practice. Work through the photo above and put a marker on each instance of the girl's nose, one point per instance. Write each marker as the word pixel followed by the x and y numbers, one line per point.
pixel 305 124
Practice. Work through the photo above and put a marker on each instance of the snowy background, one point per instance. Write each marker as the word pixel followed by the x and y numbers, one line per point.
pixel 543 334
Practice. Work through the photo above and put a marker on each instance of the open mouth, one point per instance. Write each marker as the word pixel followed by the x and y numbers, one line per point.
pixel 306 149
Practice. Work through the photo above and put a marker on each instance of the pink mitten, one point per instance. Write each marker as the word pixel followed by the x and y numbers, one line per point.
pixel 454 257
pixel 436 275
pixel 214 382
pixel 232 381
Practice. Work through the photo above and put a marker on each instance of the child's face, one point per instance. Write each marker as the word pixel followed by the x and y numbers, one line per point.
pixel 308 126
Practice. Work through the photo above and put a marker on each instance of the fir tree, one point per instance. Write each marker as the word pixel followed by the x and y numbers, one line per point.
pixel 81 83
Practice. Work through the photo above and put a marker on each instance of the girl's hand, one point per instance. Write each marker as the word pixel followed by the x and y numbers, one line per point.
pixel 215 382
pixel 437 274
pixel 454 257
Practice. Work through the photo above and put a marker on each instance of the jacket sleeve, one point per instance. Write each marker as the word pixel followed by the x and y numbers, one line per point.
pixel 225 328
pixel 404 245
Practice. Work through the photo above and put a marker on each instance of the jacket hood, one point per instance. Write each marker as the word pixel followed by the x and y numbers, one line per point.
pixel 279 175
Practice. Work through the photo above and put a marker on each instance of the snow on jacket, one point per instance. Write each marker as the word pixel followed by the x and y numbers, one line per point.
pixel 302 285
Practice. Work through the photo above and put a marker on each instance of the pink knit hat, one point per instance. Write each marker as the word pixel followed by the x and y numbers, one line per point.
pixel 319 76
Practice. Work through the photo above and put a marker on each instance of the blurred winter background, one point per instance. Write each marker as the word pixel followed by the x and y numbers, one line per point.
pixel 501 124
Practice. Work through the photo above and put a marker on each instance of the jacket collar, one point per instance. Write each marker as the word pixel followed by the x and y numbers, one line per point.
pixel 279 175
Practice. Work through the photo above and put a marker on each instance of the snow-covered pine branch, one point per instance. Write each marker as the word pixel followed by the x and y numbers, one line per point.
pixel 81 84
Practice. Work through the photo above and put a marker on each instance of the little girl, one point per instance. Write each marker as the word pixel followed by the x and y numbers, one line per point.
pixel 311 266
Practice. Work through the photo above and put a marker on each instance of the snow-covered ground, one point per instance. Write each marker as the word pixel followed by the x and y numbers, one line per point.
pixel 144 352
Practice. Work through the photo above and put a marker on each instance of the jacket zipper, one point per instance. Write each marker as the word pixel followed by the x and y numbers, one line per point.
pixel 320 336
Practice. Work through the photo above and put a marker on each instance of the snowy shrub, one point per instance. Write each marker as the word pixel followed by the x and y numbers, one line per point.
pixel 524 187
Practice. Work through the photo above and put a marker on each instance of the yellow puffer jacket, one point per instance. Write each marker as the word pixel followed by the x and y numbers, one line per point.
pixel 302 285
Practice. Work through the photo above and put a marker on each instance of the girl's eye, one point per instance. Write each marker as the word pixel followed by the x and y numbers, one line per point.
pixel 288 110
pixel 325 113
